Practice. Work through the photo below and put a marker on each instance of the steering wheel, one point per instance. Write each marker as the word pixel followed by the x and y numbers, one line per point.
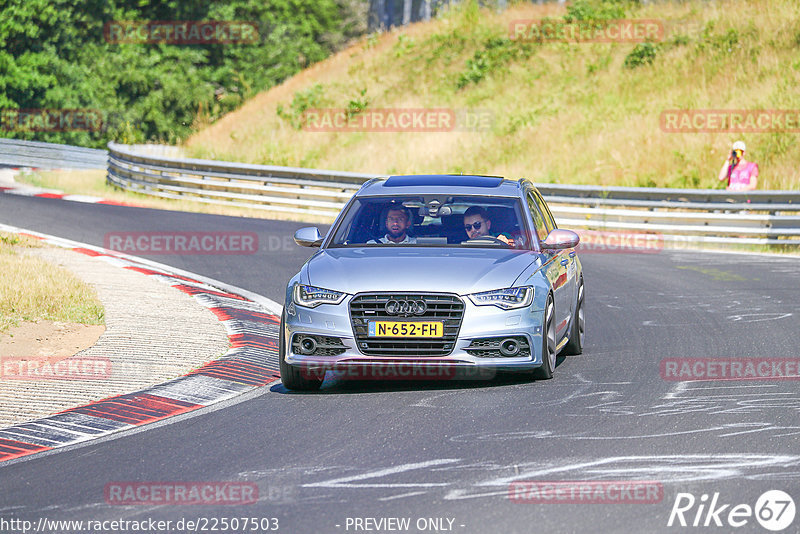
pixel 485 238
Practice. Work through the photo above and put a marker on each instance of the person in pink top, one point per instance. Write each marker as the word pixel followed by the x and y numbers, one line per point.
pixel 742 175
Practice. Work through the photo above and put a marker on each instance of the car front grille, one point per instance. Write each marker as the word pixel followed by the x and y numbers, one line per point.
pixel 447 308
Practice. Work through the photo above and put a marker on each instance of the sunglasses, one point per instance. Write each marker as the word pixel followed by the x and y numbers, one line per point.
pixel 468 227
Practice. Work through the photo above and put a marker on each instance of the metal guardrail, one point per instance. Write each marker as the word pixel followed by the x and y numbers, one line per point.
pixel 17 153
pixel 266 187
pixel 662 194
pixel 679 215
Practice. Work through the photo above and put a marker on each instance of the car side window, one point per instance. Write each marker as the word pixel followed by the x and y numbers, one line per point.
pixel 548 217
pixel 538 220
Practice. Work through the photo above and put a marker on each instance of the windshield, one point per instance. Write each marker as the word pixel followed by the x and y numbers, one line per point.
pixel 418 221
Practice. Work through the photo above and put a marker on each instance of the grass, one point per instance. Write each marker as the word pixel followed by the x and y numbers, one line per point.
pixel 788 250
pixel 77 182
pixel 582 113
pixel 93 183
pixel 32 289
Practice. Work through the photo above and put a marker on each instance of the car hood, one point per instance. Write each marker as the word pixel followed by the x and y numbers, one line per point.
pixel 455 270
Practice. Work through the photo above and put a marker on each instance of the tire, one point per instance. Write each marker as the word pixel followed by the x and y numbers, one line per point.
pixel 291 376
pixel 545 372
pixel 577 333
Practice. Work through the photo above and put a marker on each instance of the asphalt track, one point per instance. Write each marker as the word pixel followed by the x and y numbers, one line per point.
pixel 443 450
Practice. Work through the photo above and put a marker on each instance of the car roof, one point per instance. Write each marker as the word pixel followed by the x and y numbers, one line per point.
pixel 449 184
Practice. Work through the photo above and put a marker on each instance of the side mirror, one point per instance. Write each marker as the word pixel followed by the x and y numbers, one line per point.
pixel 308 237
pixel 561 239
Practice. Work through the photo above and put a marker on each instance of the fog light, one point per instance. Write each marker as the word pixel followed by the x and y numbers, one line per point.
pixel 308 345
pixel 509 347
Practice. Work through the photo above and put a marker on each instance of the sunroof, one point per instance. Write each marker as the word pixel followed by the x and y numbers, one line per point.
pixel 443 180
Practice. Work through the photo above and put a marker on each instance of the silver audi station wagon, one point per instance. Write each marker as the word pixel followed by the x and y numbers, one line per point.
pixel 433 275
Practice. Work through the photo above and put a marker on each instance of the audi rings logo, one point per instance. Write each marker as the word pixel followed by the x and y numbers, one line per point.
pixel 406 307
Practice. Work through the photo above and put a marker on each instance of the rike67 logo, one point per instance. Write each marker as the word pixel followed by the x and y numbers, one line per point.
pixel 774 510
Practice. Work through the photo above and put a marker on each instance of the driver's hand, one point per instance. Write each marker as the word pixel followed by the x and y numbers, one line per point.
pixel 507 241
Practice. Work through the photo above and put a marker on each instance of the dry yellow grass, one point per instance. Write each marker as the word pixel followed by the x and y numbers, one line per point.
pixel 570 113
pixel 32 289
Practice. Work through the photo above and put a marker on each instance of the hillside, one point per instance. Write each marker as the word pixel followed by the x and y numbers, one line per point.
pixel 563 112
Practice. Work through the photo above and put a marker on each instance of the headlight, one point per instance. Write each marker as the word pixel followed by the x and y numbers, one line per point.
pixel 507 299
pixel 311 297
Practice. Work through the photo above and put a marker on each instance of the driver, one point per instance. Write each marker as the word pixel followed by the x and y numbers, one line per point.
pixel 398 221
pixel 477 224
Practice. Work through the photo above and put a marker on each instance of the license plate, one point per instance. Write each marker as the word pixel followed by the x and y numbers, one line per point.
pixel 406 329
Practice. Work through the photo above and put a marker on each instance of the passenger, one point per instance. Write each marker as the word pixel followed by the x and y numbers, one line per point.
pixel 398 221
pixel 477 224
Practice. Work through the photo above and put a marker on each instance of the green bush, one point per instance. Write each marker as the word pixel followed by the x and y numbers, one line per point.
pixel 358 104
pixel 642 54
pixel 727 42
pixel 403 45
pixel 595 10
pixel 496 54
pixel 53 55
pixel 302 102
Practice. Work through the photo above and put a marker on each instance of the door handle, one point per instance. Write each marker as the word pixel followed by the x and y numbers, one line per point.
pixel 572 254
pixel 565 261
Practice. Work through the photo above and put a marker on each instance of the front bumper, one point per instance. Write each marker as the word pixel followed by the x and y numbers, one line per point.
pixel 478 322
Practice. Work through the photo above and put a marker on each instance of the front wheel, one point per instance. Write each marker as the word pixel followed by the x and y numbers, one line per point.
pixel 578 331
pixel 291 376
pixel 545 372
